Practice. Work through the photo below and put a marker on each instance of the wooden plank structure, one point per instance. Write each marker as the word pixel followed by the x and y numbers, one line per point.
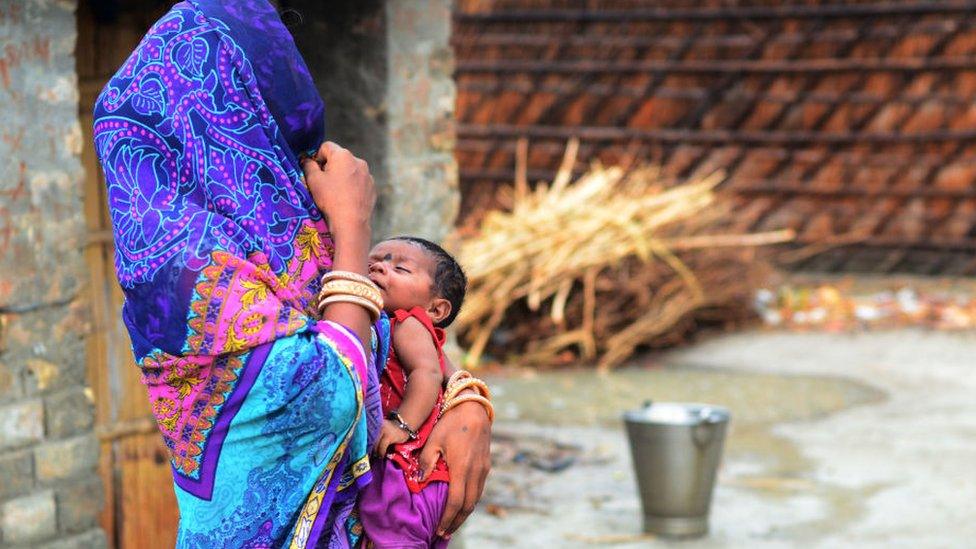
pixel 140 505
pixel 852 123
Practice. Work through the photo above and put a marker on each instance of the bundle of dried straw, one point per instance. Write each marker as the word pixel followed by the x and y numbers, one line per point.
pixel 600 266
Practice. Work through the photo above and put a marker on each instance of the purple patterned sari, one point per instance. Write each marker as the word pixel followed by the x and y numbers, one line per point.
pixel 266 412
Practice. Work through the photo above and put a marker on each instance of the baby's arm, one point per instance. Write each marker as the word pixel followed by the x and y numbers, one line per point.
pixel 418 356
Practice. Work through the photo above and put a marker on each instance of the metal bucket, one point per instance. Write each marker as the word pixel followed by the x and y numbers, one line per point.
pixel 676 449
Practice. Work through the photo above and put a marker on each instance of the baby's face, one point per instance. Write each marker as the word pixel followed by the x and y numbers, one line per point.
pixel 402 271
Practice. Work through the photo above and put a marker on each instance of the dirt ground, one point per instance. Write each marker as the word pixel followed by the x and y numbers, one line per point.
pixel 837 440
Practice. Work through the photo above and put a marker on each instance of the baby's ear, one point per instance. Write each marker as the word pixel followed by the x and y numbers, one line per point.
pixel 439 309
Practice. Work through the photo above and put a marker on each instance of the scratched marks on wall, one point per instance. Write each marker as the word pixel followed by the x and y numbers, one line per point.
pixel 41 221
pixel 13 55
pixel 11 12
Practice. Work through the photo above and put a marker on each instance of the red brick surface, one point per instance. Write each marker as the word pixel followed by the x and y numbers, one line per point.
pixel 827 122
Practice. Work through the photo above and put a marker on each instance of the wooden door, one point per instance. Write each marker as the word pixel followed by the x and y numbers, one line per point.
pixel 140 506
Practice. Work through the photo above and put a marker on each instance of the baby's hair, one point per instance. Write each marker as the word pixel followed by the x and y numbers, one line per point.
pixel 450 283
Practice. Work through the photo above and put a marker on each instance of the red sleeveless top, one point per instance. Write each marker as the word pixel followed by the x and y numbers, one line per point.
pixel 393 383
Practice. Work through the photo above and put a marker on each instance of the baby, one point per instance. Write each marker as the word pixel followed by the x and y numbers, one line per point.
pixel 422 288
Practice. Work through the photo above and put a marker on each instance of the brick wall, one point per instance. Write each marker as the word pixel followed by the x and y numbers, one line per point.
pixel 49 492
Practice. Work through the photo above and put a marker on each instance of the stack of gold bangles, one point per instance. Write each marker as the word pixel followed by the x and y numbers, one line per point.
pixel 349 287
pixel 458 383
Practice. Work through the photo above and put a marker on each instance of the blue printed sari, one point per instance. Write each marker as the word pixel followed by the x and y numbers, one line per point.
pixel 266 411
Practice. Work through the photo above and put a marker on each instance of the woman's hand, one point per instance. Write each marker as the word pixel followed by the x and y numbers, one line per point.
pixel 463 437
pixel 343 190
pixel 341 187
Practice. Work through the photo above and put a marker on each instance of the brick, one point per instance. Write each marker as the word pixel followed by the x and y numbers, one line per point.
pixel 888 118
pixel 958 176
pixel 682 157
pixel 964 120
pixel 11 387
pixel 758 164
pixel 92 539
pixel 841 120
pixel 68 413
pixel 45 373
pixel 929 116
pixel 17 472
pixel 45 351
pixel 28 519
pixel 79 505
pixel 763 115
pixel 21 423
pixel 58 362
pixel 66 458
pixel 657 112
pixel 820 225
pixel 49 376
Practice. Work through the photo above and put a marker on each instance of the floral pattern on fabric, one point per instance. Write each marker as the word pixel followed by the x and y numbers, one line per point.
pixel 267 413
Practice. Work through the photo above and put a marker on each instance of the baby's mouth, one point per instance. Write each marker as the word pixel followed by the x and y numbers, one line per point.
pixel 378 285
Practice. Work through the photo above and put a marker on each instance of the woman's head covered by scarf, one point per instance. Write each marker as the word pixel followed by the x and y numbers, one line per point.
pixel 218 243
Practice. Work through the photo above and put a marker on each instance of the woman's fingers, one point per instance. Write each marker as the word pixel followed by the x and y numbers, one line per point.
pixel 465 509
pixel 455 501
pixel 307 167
pixel 464 434
pixel 342 188
pixel 483 477
pixel 473 488
pixel 328 150
pixel 458 467
pixel 428 459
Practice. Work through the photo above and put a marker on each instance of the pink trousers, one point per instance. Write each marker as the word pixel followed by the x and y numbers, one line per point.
pixel 396 518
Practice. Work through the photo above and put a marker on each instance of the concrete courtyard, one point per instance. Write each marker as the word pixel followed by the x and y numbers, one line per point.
pixel 837 440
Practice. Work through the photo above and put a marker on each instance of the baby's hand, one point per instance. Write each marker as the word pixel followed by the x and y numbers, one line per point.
pixel 390 434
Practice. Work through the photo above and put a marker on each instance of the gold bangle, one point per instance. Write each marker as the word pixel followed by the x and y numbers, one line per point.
pixel 471 398
pixel 363 285
pixel 456 378
pixel 464 377
pixel 374 311
pixel 370 292
pixel 343 286
pixel 458 375
pixel 468 383
pixel 346 275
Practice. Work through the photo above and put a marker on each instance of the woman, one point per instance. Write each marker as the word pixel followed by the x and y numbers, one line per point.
pixel 267 412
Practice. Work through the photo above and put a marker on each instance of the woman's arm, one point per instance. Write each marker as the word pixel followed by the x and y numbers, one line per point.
pixel 463 437
pixel 343 190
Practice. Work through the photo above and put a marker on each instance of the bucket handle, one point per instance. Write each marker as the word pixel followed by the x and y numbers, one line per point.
pixel 704 430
